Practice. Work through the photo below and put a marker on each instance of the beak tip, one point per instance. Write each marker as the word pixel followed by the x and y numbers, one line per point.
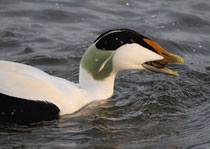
pixel 181 61
pixel 173 73
pixel 177 75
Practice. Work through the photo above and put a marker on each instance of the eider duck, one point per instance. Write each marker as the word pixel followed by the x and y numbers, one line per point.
pixel 29 95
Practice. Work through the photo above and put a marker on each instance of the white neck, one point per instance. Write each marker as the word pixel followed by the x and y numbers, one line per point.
pixel 97 89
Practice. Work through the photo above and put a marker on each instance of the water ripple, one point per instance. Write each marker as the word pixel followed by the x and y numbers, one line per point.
pixel 147 110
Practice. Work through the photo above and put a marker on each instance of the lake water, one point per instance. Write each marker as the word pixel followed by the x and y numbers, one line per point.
pixel 147 111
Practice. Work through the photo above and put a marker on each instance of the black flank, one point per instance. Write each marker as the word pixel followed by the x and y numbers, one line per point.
pixel 113 39
pixel 23 111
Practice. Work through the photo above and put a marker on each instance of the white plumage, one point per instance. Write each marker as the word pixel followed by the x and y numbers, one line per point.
pixel 30 83
pixel 112 52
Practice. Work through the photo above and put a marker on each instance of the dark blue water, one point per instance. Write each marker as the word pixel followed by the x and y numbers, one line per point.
pixel 147 111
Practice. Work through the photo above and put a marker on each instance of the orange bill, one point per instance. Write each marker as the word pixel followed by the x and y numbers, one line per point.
pixel 158 66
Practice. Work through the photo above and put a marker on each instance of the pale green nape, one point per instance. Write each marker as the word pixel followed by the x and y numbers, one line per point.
pixel 93 59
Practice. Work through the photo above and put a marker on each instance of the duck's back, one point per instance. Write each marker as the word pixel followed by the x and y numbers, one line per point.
pixel 26 86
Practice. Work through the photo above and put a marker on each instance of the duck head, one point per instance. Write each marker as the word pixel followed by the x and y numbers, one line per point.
pixel 124 49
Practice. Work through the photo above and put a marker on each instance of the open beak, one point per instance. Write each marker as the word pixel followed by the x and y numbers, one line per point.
pixel 159 65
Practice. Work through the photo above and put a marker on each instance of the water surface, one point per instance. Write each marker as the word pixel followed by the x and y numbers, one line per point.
pixel 147 110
